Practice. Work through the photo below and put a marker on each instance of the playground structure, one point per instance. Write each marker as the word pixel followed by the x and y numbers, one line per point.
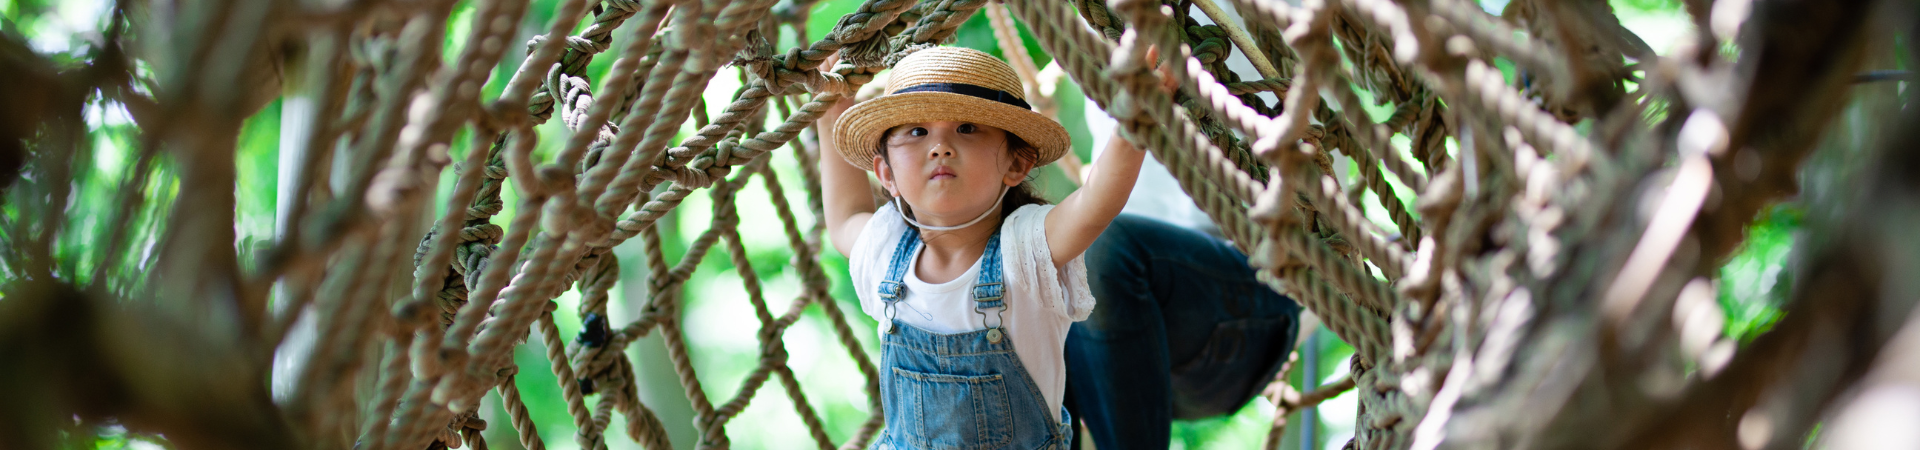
pixel 1549 286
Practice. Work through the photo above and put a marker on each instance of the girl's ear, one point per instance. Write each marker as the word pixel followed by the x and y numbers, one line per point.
pixel 885 172
pixel 1017 173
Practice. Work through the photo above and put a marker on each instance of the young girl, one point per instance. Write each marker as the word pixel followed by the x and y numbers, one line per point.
pixel 974 280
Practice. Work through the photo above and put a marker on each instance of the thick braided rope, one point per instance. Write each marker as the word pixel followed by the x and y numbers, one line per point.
pixel 719 164
pixel 521 305
pixel 1227 216
pixel 1496 35
pixel 454 352
pixel 799 66
pixel 642 424
pixel 580 50
pixel 624 76
pixel 477 197
pixel 772 350
pixel 393 383
pixel 938 25
pixel 666 298
pixel 339 351
pixel 809 161
pixel 633 174
pixel 1377 51
pixel 492 278
pixel 1373 139
pixel 1222 102
pixel 477 177
pixel 594 360
pixel 1356 283
pixel 1375 295
pixel 1385 406
pixel 806 257
pixel 515 311
pixel 1007 37
pixel 1352 223
pixel 614 172
pixel 679 100
pixel 486 50
pixel 392 386
pixel 517 414
pixel 1338 136
pixel 1274 85
pixel 586 433
pixel 706 166
pixel 1487 90
pixel 1188 139
pixel 1201 79
pixel 359 308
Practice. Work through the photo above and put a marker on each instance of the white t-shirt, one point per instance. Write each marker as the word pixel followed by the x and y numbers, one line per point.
pixel 1042 302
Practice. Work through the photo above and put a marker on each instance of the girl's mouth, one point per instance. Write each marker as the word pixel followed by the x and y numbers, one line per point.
pixel 942 172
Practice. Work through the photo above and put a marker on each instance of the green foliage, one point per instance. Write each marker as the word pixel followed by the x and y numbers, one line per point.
pixel 1646 5
pixel 719 319
pixel 1755 282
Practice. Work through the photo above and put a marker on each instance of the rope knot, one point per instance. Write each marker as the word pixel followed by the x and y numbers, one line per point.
pixel 474 262
pixel 868 53
pixel 827 82
pixel 584 45
pixel 1212 50
pixel 486 233
pixel 598 356
pixel 903 50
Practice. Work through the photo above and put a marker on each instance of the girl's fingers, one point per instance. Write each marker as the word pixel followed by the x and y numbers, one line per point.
pixel 1167 82
pixel 827 64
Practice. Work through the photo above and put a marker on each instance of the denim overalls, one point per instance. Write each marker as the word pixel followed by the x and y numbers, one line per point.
pixel 964 391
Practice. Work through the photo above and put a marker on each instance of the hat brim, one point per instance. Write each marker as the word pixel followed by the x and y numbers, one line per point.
pixel 859 130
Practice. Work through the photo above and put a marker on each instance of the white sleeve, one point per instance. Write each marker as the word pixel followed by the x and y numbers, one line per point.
pixel 1063 289
pixel 868 258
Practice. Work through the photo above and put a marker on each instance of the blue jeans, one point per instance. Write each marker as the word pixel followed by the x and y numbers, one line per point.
pixel 1182 331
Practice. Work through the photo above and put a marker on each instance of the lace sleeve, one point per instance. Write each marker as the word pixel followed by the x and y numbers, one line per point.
pixel 1062 289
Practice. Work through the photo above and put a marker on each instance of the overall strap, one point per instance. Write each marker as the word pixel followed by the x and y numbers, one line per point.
pixel 891 288
pixel 989 291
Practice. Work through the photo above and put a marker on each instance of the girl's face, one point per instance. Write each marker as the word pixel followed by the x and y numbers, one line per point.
pixel 948 172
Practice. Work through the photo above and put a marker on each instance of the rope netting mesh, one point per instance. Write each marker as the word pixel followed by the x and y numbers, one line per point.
pixel 1265 173
pixel 1501 216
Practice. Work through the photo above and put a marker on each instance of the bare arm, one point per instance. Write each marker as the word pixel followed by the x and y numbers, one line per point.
pixel 848 198
pixel 1079 219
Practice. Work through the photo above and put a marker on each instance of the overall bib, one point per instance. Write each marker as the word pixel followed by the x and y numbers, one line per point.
pixel 965 391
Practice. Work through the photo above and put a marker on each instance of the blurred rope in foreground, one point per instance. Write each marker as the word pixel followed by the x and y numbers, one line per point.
pixel 1548 285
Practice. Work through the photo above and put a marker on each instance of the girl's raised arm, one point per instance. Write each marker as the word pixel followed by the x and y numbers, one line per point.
pixel 849 199
pixel 1080 218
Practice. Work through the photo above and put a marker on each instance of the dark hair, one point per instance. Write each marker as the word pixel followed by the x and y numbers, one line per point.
pixel 1016 197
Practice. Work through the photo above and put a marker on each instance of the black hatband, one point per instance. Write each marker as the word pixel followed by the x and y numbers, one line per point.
pixel 970 91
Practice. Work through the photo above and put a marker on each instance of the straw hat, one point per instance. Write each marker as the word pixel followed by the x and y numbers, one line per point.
pixel 948 83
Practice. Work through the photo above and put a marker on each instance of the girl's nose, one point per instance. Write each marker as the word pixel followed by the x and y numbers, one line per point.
pixel 940 150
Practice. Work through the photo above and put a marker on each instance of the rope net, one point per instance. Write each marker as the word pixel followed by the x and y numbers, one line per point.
pixel 1522 238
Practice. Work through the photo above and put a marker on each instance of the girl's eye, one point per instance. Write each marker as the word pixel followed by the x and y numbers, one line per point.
pixel 967 128
pixel 917 131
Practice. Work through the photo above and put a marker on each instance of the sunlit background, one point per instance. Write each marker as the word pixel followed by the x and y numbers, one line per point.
pixel 720 323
